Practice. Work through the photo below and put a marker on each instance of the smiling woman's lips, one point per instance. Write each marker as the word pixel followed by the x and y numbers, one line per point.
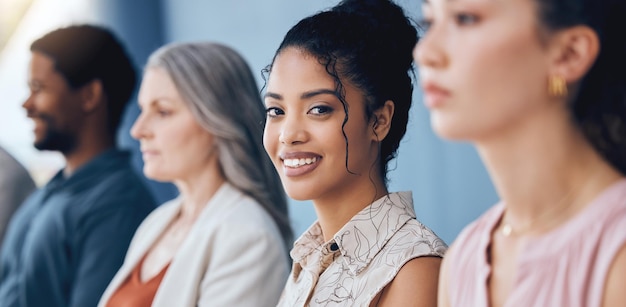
pixel 298 155
pixel 301 170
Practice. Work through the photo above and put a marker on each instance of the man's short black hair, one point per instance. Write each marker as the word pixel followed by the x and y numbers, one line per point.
pixel 84 53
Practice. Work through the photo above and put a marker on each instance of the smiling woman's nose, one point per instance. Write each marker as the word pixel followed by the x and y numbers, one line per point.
pixel 292 132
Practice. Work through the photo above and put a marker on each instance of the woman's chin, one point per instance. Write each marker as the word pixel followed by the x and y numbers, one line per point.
pixel 450 132
pixel 155 175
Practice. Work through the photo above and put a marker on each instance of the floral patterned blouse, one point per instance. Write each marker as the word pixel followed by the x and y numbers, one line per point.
pixel 362 258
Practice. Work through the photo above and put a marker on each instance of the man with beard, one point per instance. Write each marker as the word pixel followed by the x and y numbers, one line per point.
pixel 69 238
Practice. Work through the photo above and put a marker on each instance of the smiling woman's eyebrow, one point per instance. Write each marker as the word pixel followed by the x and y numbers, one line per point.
pixel 314 93
pixel 305 95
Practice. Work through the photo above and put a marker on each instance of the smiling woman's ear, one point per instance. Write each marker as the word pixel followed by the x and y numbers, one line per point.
pixel 381 121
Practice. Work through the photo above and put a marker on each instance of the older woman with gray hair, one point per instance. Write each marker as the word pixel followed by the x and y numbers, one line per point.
pixel 222 241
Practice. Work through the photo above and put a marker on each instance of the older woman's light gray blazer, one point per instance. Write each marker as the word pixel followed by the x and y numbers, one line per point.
pixel 233 256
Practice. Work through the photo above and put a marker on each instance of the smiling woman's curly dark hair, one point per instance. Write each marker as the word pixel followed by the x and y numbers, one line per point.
pixel 368 43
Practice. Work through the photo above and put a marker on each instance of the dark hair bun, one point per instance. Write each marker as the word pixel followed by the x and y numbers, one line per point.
pixel 384 24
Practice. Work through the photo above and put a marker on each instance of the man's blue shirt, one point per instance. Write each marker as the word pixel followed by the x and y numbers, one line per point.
pixel 67 241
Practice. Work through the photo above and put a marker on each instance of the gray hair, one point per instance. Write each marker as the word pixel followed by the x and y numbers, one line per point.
pixel 217 85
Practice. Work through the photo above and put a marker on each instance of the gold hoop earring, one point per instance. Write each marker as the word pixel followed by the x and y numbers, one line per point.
pixel 557 87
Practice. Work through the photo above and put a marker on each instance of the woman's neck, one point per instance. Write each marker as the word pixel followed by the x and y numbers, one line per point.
pixel 544 172
pixel 336 209
pixel 197 191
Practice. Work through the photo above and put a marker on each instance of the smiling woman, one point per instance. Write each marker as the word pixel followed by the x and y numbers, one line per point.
pixel 337 102
pixel 304 109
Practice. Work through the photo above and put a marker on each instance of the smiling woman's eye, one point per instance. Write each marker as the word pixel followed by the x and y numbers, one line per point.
pixel 321 110
pixel 274 112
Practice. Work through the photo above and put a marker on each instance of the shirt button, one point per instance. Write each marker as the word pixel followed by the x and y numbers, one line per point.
pixel 334 247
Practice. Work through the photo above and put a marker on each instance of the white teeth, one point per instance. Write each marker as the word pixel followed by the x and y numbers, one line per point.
pixel 299 162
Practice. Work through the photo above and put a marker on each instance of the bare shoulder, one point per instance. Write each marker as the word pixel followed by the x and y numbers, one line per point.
pixel 414 285
pixel 614 294
pixel 442 293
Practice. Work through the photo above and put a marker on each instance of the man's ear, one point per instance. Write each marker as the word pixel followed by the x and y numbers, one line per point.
pixel 575 50
pixel 92 95
pixel 381 121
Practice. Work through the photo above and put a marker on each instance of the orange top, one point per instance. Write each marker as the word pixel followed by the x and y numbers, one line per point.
pixel 135 293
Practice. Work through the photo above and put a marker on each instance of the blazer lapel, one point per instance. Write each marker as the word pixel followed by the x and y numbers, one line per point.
pixel 139 247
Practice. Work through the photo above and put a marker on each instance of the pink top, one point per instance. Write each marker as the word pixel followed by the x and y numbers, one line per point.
pixel 566 267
